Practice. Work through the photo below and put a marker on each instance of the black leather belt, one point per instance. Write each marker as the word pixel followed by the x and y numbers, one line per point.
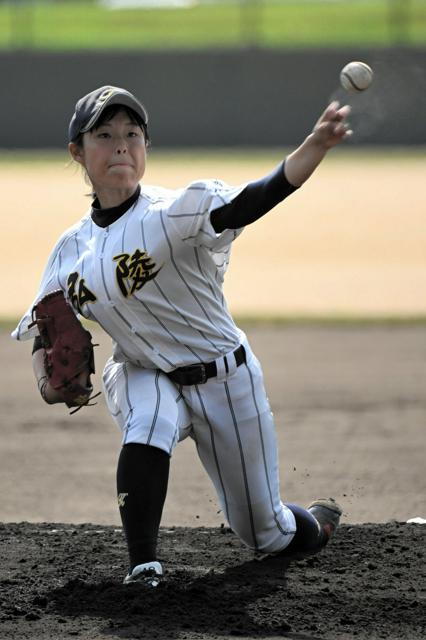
pixel 200 373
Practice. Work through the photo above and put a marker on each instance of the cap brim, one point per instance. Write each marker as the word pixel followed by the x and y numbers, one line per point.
pixel 123 100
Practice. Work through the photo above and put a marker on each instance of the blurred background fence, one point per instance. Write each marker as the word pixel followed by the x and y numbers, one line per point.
pixel 253 72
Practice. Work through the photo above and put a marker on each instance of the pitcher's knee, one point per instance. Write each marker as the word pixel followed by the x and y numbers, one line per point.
pixel 266 531
pixel 274 543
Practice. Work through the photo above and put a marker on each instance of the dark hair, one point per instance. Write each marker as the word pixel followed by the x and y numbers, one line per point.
pixel 108 114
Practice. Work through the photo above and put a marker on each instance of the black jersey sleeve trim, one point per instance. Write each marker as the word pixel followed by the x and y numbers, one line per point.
pixel 256 199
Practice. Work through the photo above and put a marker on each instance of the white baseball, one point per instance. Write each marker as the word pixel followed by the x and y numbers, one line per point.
pixel 356 76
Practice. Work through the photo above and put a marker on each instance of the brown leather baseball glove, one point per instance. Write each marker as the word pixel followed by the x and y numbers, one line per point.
pixel 68 349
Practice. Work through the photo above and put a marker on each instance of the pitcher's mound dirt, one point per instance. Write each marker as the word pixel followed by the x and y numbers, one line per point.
pixel 63 581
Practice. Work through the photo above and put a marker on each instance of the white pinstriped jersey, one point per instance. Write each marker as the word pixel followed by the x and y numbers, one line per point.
pixel 153 278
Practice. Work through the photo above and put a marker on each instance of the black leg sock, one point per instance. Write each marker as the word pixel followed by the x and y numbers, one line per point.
pixel 309 536
pixel 142 477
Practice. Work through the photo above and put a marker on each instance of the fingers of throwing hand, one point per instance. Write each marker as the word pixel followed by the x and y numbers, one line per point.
pixel 335 113
pixel 343 113
pixel 338 129
pixel 332 127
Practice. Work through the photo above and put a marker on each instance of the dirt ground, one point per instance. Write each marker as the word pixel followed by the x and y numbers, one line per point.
pixel 349 404
pixel 350 410
pixel 351 241
pixel 63 581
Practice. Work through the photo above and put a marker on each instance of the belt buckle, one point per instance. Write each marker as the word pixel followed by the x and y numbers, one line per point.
pixel 203 373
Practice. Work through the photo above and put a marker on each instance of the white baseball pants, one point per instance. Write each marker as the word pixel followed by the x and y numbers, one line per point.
pixel 230 420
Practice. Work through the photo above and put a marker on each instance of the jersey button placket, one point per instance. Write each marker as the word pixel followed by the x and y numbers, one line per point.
pixel 98 273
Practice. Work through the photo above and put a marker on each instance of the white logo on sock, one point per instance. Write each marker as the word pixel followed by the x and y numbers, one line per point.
pixel 121 498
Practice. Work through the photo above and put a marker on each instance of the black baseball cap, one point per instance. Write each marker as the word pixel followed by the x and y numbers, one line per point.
pixel 89 108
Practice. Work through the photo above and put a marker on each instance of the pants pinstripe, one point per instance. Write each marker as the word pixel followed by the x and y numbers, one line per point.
pixel 230 420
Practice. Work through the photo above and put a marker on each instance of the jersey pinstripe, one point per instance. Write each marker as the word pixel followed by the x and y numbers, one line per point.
pixel 153 279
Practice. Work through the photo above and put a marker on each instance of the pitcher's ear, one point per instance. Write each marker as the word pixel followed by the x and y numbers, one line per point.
pixel 76 152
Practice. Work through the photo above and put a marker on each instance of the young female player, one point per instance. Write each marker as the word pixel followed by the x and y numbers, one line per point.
pixel 148 264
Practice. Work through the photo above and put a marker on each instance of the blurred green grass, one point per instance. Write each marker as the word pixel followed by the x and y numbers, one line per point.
pixel 85 24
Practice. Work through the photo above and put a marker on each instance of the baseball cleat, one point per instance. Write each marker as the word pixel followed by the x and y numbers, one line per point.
pixel 148 574
pixel 327 512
